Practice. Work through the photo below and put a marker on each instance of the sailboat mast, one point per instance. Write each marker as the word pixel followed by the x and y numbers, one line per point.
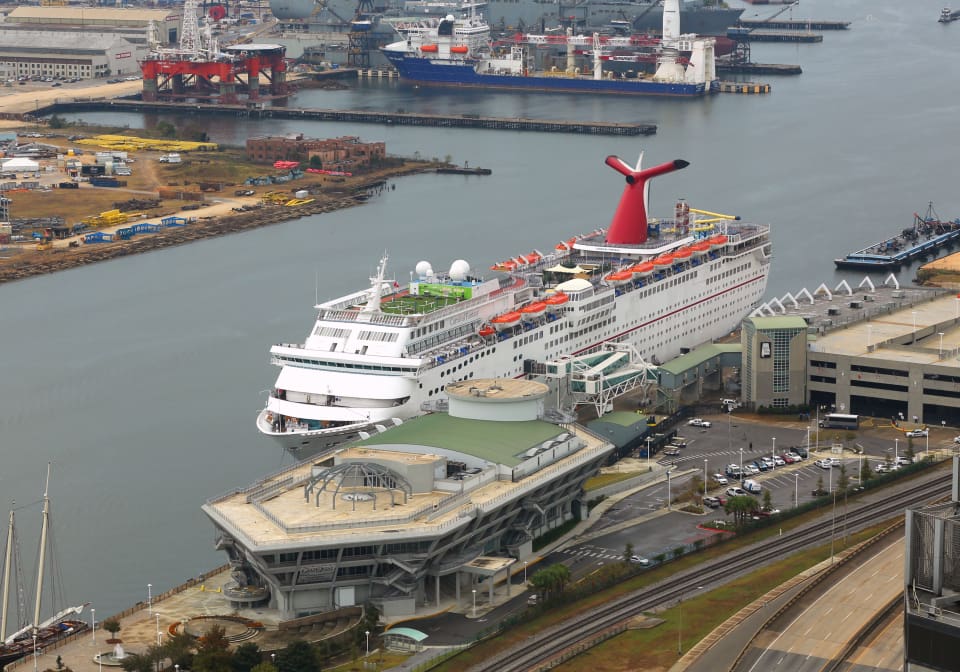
pixel 43 549
pixel 7 564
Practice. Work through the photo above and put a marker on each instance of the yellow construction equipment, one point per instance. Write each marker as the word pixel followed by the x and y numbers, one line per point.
pixel 713 214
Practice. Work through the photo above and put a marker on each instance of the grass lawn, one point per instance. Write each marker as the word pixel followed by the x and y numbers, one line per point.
pixel 602 480
pixel 377 661
pixel 743 591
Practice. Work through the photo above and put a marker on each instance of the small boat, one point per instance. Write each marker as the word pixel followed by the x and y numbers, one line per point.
pixel 683 253
pixel 663 260
pixel 459 49
pixel 700 249
pixel 564 245
pixel 487 331
pixel 534 309
pixel 506 320
pixel 620 277
pixel 643 269
pixel 717 241
pixel 557 299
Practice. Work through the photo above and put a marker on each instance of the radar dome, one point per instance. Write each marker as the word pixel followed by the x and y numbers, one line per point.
pixel 423 269
pixel 459 270
pixel 291 9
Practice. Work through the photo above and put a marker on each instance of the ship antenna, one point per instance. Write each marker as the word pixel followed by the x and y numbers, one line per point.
pixel 373 303
pixel 8 562
pixel 629 225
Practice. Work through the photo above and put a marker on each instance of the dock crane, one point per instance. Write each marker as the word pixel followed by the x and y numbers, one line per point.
pixel 741 36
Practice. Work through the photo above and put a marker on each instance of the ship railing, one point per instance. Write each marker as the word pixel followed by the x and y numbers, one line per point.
pixel 371 318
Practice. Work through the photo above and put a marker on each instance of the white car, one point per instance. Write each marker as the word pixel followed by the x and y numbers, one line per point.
pixel 825 463
pixel 720 478
pixel 699 422
pixel 736 492
pixel 767 461
pixel 751 469
pixel 916 433
pixel 778 461
pixel 639 560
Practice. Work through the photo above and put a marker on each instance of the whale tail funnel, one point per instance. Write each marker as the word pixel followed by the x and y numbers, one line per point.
pixel 629 225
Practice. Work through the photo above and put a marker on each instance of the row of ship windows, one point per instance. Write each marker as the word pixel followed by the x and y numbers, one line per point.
pixel 482 353
pixel 317 363
pixel 438 390
pixel 727 273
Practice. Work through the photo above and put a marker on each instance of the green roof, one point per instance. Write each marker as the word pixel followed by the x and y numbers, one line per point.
pixel 415 635
pixel 497 442
pixel 625 418
pixel 699 356
pixel 785 322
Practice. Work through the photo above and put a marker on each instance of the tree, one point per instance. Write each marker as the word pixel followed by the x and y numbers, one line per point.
pixel 137 662
pixel 299 656
pixel 112 626
pixel 551 579
pixel 865 473
pixel 264 667
pixel 819 491
pixel 627 552
pixel 315 162
pixel 166 129
pixel 179 649
pixel 767 503
pixel 741 506
pixel 844 481
pixel 212 652
pixel 246 657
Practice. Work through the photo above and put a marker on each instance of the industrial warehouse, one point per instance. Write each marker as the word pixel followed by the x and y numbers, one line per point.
pixel 441 507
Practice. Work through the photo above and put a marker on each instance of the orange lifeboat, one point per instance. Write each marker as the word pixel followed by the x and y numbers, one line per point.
pixel 508 265
pixel 643 269
pixel 506 320
pixel 620 277
pixel 459 49
pixel 532 258
pixel 534 309
pixel 682 253
pixel 487 331
pixel 566 244
pixel 717 241
pixel 699 249
pixel 663 260
pixel 428 48
pixel 557 299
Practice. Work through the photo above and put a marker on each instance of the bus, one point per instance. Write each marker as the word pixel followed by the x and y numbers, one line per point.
pixel 840 421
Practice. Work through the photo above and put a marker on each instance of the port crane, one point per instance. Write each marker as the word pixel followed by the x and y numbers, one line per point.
pixel 741 36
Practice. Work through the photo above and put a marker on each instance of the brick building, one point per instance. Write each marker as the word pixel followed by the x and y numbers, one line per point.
pixel 346 153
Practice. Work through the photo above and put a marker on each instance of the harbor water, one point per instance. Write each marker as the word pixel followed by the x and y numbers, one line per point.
pixel 140 378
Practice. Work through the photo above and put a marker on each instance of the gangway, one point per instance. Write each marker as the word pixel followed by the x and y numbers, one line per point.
pixel 600 377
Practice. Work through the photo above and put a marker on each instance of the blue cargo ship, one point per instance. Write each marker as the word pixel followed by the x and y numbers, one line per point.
pixel 458 52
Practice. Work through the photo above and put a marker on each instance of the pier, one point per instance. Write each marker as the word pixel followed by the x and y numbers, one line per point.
pixel 362 117
pixel 795 24
pixel 744 87
pixel 751 35
pixel 731 68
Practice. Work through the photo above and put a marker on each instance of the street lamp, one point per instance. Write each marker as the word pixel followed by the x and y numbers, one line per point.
pixel 741 464
pixel 796 489
pixel 149 598
pixel 704 477
pixel 158 628
pixel 524 572
pixel 649 439
pixel 474 591
pixel 668 489
pixel 367 633
pixel 830 482
pixel 93 629
pixel 940 334
pixel 273 659
pixel 34 649
pixel 896 450
pixel 773 452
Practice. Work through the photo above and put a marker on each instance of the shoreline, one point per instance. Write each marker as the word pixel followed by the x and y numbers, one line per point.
pixel 28 264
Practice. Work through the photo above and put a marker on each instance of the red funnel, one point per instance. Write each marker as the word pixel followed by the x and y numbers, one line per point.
pixel 629 225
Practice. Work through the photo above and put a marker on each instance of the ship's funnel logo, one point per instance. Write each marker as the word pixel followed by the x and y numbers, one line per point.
pixel 629 225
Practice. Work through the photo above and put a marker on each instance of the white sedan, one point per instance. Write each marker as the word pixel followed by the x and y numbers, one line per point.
pixel 720 478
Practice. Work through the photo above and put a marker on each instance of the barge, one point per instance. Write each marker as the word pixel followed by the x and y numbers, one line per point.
pixel 927 235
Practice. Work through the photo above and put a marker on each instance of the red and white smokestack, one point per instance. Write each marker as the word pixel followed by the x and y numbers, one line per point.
pixel 629 225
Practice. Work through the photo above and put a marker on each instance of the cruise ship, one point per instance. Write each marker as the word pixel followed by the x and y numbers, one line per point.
pixel 379 356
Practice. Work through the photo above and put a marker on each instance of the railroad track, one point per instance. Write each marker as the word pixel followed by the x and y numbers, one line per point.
pixel 551 643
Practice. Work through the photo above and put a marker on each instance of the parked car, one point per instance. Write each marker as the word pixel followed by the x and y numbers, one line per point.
pixel 699 422
pixel 733 471
pixel 778 461
pixel 802 452
pixel 903 460
pixel 916 433
pixel 824 463
pixel 639 560
pixel 883 468
pixel 752 487
pixel 956 439
pixel 767 461
pixel 790 458
pixel 712 502
pixel 761 465
pixel 720 478
pixel 751 469
pixel 736 492
pixel 672 451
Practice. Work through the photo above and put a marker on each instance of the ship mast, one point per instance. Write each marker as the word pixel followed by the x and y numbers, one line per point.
pixel 7 563
pixel 373 304
pixel 43 549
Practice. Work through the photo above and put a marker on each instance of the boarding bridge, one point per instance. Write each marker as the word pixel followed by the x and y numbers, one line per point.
pixel 600 377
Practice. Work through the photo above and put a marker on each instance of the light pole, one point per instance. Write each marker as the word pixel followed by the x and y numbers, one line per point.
pixel 796 490
pixel 680 625
pixel 773 452
pixel 34 649
pixel 833 522
pixel 705 477
pixel 896 450
pixel 367 633
pixel 524 572
pixel 940 334
pixel 158 628
pixel 830 482
pixel 869 332
pixel 808 440
pixel 93 629
pixel 668 489
pixel 741 465
pixel 474 591
pixel 649 439
pixel 150 598
pixel 273 660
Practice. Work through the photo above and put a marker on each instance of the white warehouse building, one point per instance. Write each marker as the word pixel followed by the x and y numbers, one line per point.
pixel 87 55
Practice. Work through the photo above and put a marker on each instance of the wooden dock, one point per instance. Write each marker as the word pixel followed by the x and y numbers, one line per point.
pixel 751 35
pixel 730 68
pixel 795 24
pixel 362 117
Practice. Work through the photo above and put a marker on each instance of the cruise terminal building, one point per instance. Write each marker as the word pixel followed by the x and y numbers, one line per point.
pixel 439 507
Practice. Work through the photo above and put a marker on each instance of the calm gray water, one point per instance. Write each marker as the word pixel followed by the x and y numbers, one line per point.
pixel 140 378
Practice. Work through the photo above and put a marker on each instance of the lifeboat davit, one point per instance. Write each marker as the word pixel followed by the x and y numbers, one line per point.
pixel 508 265
pixel 620 277
pixel 505 321
pixel 534 309
pixel 567 244
pixel 428 48
pixel 643 269
pixel 532 258
pixel 459 49
pixel 487 331
pixel 557 299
